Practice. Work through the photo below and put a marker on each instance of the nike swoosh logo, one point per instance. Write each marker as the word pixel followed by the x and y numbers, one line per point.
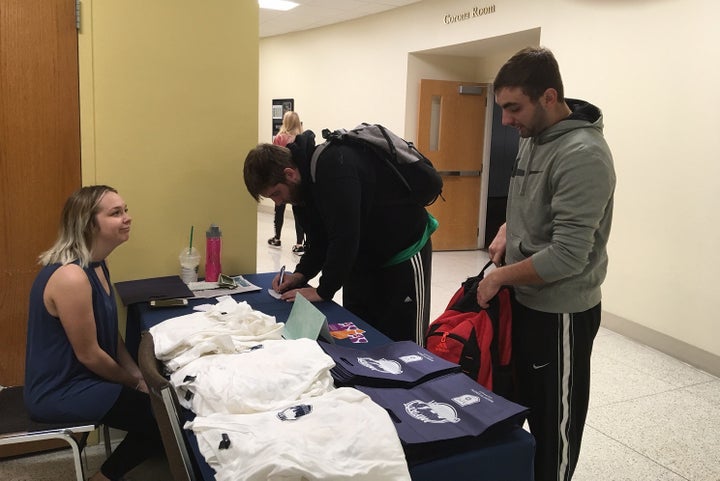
pixel 535 366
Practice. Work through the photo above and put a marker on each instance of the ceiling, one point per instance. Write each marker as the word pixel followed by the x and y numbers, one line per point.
pixel 317 13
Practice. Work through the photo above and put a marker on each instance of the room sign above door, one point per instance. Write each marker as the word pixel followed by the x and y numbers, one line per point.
pixel 450 18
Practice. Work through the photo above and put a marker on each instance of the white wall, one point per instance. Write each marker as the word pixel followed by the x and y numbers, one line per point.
pixel 652 66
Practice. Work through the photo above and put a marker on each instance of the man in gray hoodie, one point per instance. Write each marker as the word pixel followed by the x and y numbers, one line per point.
pixel 553 245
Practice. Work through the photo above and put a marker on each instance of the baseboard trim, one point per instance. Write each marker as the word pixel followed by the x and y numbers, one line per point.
pixel 683 351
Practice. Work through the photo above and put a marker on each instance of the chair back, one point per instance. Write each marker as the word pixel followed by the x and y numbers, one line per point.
pixel 167 411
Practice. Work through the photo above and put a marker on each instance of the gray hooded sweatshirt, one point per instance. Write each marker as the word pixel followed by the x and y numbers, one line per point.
pixel 559 211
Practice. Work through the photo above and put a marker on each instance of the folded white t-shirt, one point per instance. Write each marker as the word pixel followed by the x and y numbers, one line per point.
pixel 267 376
pixel 341 435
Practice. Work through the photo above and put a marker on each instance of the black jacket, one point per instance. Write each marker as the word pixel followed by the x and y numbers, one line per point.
pixel 356 215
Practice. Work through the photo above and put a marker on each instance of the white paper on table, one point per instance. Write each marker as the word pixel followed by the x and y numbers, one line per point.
pixel 207 290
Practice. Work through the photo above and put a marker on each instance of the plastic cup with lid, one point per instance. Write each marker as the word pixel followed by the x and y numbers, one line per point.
pixel 189 263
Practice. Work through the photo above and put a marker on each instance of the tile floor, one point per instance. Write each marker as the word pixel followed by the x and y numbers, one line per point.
pixel 651 417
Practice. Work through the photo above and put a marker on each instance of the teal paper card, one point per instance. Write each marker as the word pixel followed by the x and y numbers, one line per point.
pixel 306 321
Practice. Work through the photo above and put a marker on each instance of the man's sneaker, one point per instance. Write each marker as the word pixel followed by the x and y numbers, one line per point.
pixel 298 249
pixel 274 242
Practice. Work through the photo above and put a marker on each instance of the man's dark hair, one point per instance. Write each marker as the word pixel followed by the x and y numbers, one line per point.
pixel 534 70
pixel 265 166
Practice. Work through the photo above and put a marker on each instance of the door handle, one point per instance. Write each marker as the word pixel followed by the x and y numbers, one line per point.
pixel 460 173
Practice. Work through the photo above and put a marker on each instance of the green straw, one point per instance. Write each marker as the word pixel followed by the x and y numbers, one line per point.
pixel 192 227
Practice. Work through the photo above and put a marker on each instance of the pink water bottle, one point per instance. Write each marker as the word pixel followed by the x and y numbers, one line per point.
pixel 212 253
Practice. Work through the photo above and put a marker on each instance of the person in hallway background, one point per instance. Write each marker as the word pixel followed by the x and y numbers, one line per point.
pixel 291 126
pixel 364 231
pixel 77 367
pixel 554 246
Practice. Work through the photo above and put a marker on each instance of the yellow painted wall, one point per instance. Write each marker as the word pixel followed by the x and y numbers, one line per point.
pixel 169 110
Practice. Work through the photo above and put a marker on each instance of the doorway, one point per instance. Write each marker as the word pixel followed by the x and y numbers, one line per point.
pixel 477 61
pixel 451 127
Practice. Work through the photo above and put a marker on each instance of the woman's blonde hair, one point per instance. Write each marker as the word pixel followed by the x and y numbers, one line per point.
pixel 291 124
pixel 78 225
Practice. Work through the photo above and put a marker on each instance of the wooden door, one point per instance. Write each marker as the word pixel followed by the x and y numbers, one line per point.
pixel 39 153
pixel 451 131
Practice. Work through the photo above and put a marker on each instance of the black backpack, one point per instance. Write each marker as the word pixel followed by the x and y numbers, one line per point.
pixel 415 171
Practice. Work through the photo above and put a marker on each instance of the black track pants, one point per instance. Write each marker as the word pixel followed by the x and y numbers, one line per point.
pixel 395 300
pixel 279 220
pixel 552 361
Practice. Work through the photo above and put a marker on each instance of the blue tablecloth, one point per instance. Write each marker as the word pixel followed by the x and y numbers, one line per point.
pixel 508 457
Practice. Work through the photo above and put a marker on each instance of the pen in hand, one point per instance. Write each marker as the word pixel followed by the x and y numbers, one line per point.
pixel 282 276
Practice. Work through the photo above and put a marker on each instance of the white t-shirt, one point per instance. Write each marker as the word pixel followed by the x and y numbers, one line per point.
pixel 267 376
pixel 341 435
pixel 226 327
